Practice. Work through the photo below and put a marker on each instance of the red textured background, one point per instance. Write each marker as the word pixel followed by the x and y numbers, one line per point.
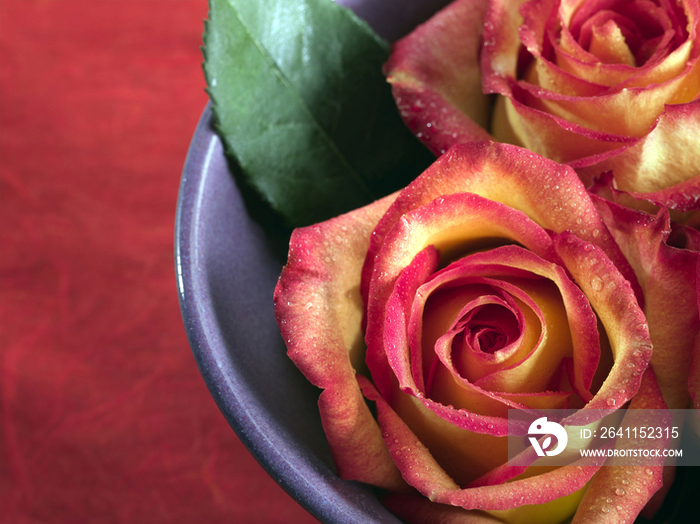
pixel 103 414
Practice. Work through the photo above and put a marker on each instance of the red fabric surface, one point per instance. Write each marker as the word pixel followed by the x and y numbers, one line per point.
pixel 103 414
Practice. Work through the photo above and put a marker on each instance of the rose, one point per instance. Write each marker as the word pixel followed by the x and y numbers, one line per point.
pixel 609 85
pixel 528 270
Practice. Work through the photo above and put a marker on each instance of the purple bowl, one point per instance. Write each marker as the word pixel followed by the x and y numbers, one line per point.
pixel 226 271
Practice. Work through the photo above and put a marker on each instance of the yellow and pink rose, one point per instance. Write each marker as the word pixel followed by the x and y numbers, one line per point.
pixel 603 85
pixel 494 281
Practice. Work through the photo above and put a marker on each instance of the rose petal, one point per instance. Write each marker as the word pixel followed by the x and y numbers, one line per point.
pixel 319 312
pixel 419 510
pixel 623 320
pixel 629 112
pixel 618 493
pixel 427 512
pixel 500 53
pixel 404 361
pixel 422 471
pixel 608 44
pixel 663 164
pixel 668 277
pixel 553 137
pixel 435 77
pixel 694 375
pixel 465 444
pixel 548 193
pixel 620 76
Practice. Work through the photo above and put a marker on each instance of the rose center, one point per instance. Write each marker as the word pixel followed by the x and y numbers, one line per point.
pixel 483 332
pixel 490 328
pixel 629 33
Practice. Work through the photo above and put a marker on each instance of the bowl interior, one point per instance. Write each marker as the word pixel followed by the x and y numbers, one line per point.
pixel 227 270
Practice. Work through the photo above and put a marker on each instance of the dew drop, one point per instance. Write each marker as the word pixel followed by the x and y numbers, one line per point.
pixel 619 491
pixel 648 472
pixel 625 482
pixel 605 509
pixel 610 402
pixel 596 284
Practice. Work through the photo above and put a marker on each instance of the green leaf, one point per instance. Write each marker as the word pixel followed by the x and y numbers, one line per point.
pixel 303 107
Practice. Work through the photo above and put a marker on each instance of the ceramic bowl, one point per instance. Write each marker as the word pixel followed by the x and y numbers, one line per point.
pixel 227 269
